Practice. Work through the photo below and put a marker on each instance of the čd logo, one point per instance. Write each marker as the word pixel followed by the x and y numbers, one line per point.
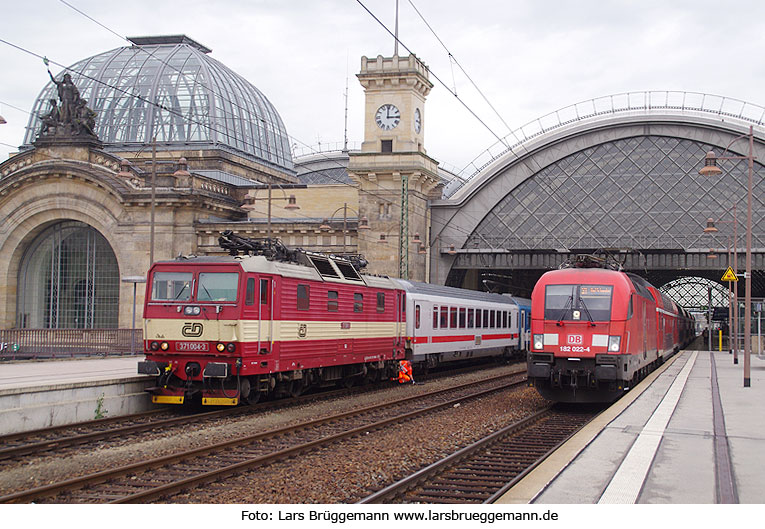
pixel 192 330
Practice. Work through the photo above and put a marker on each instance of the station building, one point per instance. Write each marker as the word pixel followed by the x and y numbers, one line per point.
pixel 183 148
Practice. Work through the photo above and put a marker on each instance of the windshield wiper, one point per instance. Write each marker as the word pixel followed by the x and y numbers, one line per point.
pixel 563 312
pixel 584 306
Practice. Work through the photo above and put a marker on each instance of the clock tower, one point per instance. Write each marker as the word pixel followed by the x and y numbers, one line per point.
pixel 395 176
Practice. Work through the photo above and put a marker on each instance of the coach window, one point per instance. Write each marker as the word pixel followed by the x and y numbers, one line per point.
pixel 416 316
pixel 303 297
pixel 380 302
pixel 358 303
pixel 492 318
pixel 435 317
pixel 332 304
pixel 444 317
pixel 486 319
pixel 264 291
pixel 249 297
pixel 462 318
pixel 471 318
pixel 478 319
pixel 452 317
pixel 504 318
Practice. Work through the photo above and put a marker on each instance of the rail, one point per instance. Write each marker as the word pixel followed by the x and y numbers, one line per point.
pixel 34 344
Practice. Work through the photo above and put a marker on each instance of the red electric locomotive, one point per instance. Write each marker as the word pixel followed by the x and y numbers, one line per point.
pixel 597 331
pixel 220 330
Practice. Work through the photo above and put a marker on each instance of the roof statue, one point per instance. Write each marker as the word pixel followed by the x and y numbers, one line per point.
pixel 68 118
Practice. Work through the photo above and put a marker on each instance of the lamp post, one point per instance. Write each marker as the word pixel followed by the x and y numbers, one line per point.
pixel 291 204
pixel 363 222
pixel 135 280
pixel 711 228
pixel 710 168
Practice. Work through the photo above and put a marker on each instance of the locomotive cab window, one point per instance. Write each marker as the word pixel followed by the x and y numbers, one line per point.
pixel 264 291
pixel 249 297
pixel 217 286
pixel 303 297
pixel 171 286
pixel 578 302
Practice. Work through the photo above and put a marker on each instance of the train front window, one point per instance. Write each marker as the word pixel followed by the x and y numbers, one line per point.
pixel 578 302
pixel 217 286
pixel 595 300
pixel 171 286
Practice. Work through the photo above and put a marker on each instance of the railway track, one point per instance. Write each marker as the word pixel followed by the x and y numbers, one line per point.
pixel 164 476
pixel 14 447
pixel 485 470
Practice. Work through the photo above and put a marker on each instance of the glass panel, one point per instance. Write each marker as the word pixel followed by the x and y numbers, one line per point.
pixel 264 291
pixel 380 302
pixel 332 302
pixel 217 286
pixel 559 301
pixel 249 298
pixel 358 303
pixel 595 302
pixel 171 286
pixel 303 297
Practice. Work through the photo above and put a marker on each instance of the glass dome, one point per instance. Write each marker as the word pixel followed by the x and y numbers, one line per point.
pixel 199 102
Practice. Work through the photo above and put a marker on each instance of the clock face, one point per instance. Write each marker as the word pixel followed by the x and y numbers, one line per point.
pixel 417 121
pixel 387 117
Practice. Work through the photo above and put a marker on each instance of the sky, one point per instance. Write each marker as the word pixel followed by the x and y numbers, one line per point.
pixel 527 58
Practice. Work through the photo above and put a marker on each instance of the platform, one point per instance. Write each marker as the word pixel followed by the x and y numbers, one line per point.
pixel 38 394
pixel 690 433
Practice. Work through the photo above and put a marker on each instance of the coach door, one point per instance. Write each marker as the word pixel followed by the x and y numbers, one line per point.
pixel 266 314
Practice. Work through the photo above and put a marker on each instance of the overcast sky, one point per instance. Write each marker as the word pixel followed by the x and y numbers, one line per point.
pixel 528 57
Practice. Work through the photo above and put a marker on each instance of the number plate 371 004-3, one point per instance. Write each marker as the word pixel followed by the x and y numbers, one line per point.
pixel 192 346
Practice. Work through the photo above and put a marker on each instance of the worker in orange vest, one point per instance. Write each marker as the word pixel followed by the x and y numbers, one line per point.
pixel 405 372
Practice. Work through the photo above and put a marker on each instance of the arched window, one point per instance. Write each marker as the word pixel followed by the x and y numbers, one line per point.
pixel 68 278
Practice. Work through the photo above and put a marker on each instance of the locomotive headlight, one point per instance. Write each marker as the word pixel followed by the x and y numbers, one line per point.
pixel 164 346
pixel 192 310
pixel 539 342
pixel 220 347
pixel 614 343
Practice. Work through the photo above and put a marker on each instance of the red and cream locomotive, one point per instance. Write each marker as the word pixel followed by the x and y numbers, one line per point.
pixel 597 331
pixel 221 330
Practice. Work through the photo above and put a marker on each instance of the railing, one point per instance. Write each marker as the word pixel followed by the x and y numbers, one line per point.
pixel 602 108
pixel 30 344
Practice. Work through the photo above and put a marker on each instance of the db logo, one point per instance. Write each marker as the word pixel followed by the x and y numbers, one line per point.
pixel 192 330
pixel 575 339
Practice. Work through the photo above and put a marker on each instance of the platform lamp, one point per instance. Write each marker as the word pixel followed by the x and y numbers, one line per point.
pixel 711 169
pixel 135 280
pixel 291 204
pixel 732 314
pixel 363 222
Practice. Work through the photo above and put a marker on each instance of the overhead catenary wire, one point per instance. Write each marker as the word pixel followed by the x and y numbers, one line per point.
pixel 234 103
pixel 208 126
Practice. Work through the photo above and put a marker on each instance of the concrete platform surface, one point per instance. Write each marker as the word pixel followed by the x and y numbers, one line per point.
pixel 46 373
pixel 55 392
pixel 656 445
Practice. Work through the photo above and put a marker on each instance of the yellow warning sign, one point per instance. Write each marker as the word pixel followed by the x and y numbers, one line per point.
pixel 729 275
